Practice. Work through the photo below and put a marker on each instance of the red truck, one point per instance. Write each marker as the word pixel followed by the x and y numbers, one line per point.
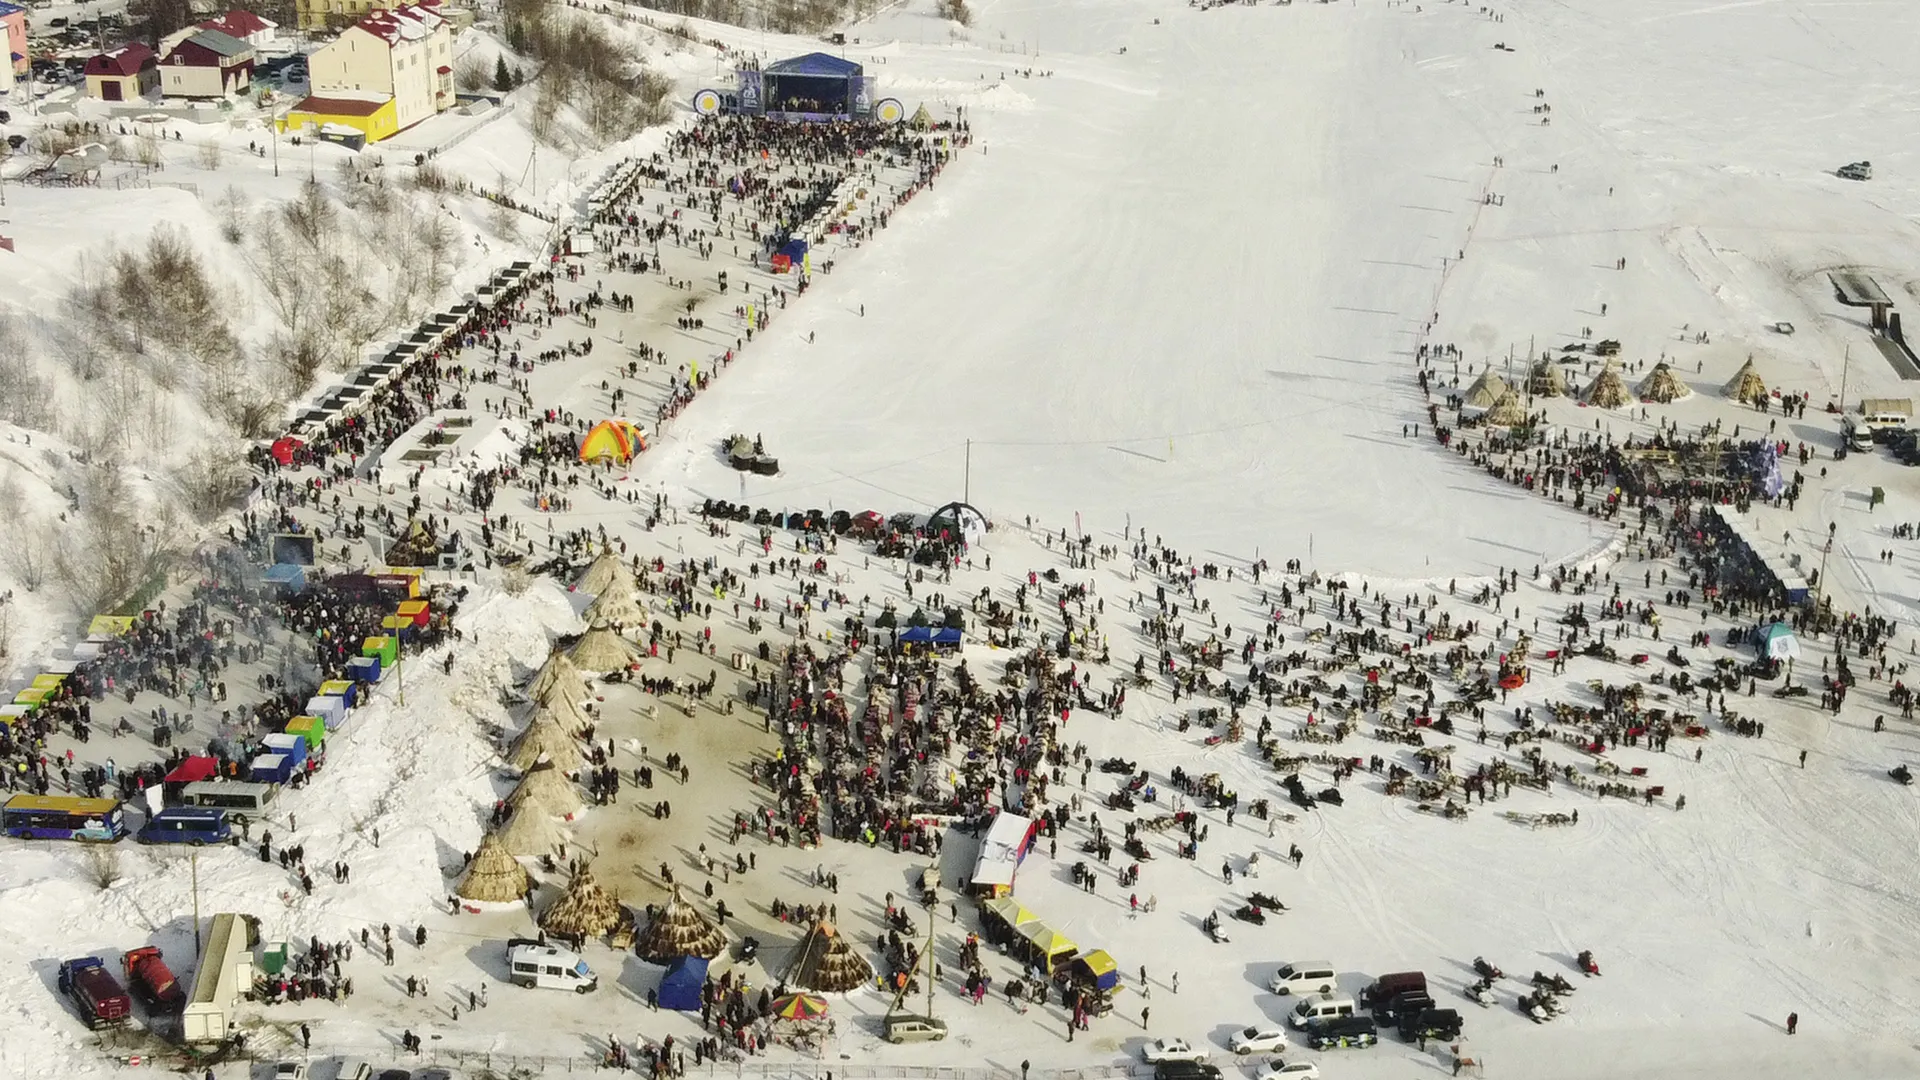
pixel 152 980
pixel 95 993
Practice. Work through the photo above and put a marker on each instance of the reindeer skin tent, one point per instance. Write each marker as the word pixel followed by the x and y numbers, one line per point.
pixel 1607 391
pixel 1662 386
pixel 679 929
pixel 585 910
pixel 827 963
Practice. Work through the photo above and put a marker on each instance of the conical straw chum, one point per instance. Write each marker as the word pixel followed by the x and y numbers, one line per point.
pixel 493 876
pixel 600 649
pixel 1746 384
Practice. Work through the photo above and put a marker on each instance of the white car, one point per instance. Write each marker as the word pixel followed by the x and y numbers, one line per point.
pixel 1172 1050
pixel 1291 1070
pixel 1258 1040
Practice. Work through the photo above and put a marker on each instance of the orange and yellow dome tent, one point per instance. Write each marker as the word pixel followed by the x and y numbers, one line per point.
pixel 612 439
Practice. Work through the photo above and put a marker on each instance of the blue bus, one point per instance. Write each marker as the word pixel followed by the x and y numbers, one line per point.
pixel 63 817
pixel 186 825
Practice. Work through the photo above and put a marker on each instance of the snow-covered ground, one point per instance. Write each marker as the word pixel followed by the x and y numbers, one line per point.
pixel 1178 283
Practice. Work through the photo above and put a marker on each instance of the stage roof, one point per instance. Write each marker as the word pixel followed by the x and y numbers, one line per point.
pixel 815 64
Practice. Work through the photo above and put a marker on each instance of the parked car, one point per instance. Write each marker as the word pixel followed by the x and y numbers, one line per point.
pixel 1408 1003
pixel 1303 976
pixel 1290 1070
pixel 290 1070
pixel 1258 1040
pixel 1186 1070
pixel 1856 170
pixel 1319 1007
pixel 1442 1024
pixel 1343 1032
pixel 1172 1050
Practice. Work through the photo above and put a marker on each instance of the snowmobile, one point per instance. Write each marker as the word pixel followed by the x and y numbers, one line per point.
pixel 1794 690
pixel 1530 1006
pixel 1211 924
pixel 1332 795
pixel 1137 848
pixel 1262 900
pixel 1120 800
pixel 1674 657
pixel 1250 913
pixel 1588 966
pixel 1482 993
pixel 1902 774
pixel 1556 983
pixel 1488 971
pixel 1117 765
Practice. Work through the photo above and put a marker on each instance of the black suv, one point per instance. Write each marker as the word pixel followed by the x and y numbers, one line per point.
pixel 1185 1070
pixel 1344 1031
pixel 1442 1024
pixel 1400 1006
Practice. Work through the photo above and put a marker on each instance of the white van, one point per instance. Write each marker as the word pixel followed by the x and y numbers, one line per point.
pixel 241 800
pixel 549 968
pixel 1318 1009
pixel 1303 976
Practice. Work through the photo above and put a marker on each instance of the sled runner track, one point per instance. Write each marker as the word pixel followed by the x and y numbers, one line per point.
pixel 1786 811
pixel 1345 867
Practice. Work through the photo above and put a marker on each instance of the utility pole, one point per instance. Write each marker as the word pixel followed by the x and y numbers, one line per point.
pixel 194 861
pixel 966 484
pixel 1846 365
pixel 933 911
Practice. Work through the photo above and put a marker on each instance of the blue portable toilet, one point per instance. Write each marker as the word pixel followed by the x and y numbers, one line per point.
pixel 680 987
pixel 364 669
pixel 270 769
pixel 292 747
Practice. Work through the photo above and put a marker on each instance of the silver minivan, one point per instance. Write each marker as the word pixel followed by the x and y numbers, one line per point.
pixel 1303 976
pixel 1318 1009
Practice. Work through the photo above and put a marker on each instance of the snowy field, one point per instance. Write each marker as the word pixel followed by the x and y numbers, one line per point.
pixel 1178 283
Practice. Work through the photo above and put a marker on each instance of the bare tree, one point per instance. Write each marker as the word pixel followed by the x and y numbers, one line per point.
pixel 212 478
pixel 102 863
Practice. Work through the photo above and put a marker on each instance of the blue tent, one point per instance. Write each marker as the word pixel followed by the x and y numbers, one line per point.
pixel 816 65
pixel 947 636
pixel 680 987
pixel 285 577
pixel 916 635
